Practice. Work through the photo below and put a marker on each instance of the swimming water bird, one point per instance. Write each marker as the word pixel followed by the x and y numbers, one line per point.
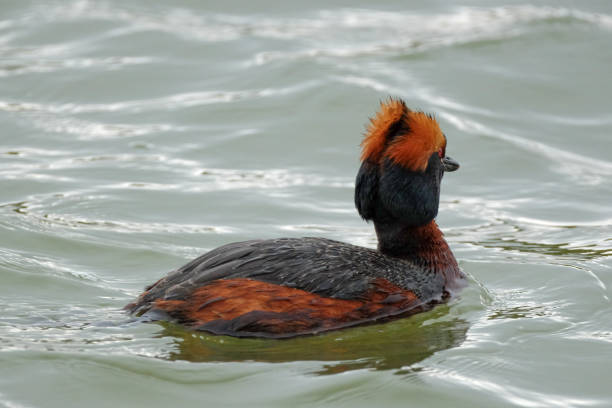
pixel 280 288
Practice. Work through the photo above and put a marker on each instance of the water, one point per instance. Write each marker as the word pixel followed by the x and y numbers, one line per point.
pixel 137 135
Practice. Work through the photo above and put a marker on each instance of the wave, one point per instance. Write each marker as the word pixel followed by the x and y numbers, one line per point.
pixel 222 27
pixel 165 103
pixel 353 32
pixel 17 64
pixel 577 166
pixel 513 395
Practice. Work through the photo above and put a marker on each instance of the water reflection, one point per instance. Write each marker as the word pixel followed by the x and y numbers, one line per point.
pixel 381 347
pixel 518 312
pixel 586 252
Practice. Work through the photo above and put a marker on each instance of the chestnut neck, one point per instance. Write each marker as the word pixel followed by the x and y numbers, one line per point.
pixel 423 245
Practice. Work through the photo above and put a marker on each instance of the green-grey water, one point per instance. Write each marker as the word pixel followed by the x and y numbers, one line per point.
pixel 136 135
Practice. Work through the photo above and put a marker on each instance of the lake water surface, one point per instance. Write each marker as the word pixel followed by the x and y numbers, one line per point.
pixel 138 134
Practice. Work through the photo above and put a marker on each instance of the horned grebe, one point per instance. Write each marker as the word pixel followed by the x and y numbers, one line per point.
pixel 287 287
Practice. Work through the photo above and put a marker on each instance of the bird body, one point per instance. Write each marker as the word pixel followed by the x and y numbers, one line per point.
pixel 286 287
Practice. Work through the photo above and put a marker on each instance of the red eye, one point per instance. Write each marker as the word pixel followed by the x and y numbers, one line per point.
pixel 441 153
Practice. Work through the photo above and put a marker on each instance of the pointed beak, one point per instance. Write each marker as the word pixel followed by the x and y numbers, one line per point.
pixel 449 164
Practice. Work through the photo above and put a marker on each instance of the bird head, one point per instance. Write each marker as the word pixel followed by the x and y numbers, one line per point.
pixel 403 161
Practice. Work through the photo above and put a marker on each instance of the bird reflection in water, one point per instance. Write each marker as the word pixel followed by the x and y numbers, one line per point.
pixel 393 345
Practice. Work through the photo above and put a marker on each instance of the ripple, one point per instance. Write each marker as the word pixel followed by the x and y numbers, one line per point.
pixel 494 224
pixel 82 223
pixel 196 179
pixel 50 269
pixel 217 27
pixel 226 179
pixel 62 328
pixel 37 213
pixel 566 250
pixel 164 103
pixel 355 32
pixel 28 151
pixel 518 312
pixel 518 396
pixel 594 121
pixel 576 166
pixel 21 64
pixel 176 21
pixel 402 33
pixel 31 164
pixel 365 82
pixel 88 130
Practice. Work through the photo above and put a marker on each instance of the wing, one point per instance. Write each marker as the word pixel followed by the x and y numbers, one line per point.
pixel 313 265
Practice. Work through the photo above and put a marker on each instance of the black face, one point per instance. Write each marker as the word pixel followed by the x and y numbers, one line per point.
pixel 390 193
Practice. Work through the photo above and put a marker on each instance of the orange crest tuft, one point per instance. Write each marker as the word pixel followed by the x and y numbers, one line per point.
pixel 412 150
pixel 407 138
pixel 381 127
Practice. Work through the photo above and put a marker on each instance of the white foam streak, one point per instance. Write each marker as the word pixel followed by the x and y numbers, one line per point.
pixel 87 130
pixel 586 169
pixel 604 120
pixel 179 22
pixel 359 32
pixel 169 102
pixel 11 404
pixel 355 31
pixel 556 224
pixel 365 83
pixel 126 227
pixel 230 179
pixel 41 65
